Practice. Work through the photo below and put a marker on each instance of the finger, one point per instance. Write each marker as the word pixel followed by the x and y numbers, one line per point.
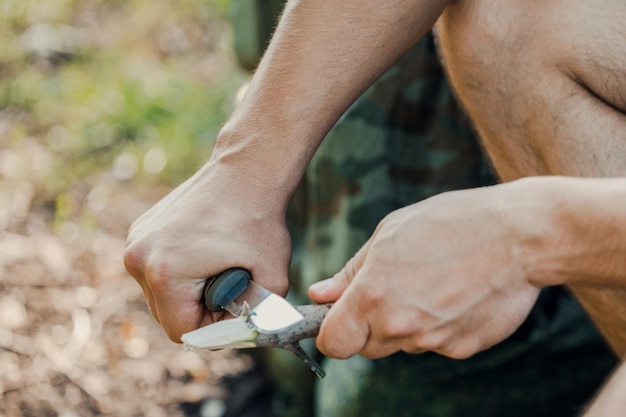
pixel 376 349
pixel 276 280
pixel 329 290
pixel 210 317
pixel 150 301
pixel 149 297
pixel 179 308
pixel 133 262
pixel 408 345
pixel 343 333
pixel 392 331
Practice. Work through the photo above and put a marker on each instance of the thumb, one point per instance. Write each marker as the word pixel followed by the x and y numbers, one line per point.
pixel 329 290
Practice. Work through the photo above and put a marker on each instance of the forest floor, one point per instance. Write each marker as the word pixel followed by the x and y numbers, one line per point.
pixel 104 107
pixel 76 338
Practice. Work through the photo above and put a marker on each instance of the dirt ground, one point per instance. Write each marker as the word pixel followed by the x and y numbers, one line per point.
pixel 76 338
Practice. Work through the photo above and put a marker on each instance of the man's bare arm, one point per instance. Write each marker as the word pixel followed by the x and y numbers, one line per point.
pixel 459 272
pixel 231 212
pixel 324 54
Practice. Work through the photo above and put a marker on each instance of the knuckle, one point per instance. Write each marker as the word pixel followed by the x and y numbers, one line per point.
pixel 431 341
pixel 373 353
pixel 463 350
pixel 376 349
pixel 400 328
pixel 157 275
pixel 280 287
pixel 134 255
pixel 374 296
pixel 350 270
pixel 460 353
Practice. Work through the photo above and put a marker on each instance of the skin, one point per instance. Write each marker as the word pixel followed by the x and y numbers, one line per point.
pixel 461 285
pixel 242 192
pixel 480 255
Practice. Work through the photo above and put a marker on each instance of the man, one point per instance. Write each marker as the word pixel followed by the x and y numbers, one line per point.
pixel 404 140
pixel 261 154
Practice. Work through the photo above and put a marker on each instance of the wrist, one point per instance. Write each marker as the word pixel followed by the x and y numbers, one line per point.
pixel 535 221
pixel 570 237
pixel 240 189
pixel 266 152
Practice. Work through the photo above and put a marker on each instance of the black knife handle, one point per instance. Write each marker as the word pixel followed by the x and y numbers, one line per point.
pixel 221 290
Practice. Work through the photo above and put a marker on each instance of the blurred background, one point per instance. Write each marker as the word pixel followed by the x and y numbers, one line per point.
pixel 105 105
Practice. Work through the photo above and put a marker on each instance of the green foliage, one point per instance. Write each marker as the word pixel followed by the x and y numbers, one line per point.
pixel 105 84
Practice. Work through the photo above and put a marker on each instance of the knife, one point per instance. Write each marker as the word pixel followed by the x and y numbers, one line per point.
pixel 262 318
pixel 234 288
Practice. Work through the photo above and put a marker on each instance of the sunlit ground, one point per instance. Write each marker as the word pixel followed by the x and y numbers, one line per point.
pixel 104 106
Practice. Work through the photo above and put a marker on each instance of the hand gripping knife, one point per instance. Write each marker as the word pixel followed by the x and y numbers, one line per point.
pixel 262 318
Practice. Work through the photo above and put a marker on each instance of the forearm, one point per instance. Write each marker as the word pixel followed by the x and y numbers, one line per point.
pixel 232 211
pixel 584 248
pixel 323 55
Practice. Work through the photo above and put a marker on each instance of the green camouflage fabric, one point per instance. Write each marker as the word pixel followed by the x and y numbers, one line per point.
pixel 405 140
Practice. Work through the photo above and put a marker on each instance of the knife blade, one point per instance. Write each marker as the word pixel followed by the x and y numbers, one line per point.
pixel 238 333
